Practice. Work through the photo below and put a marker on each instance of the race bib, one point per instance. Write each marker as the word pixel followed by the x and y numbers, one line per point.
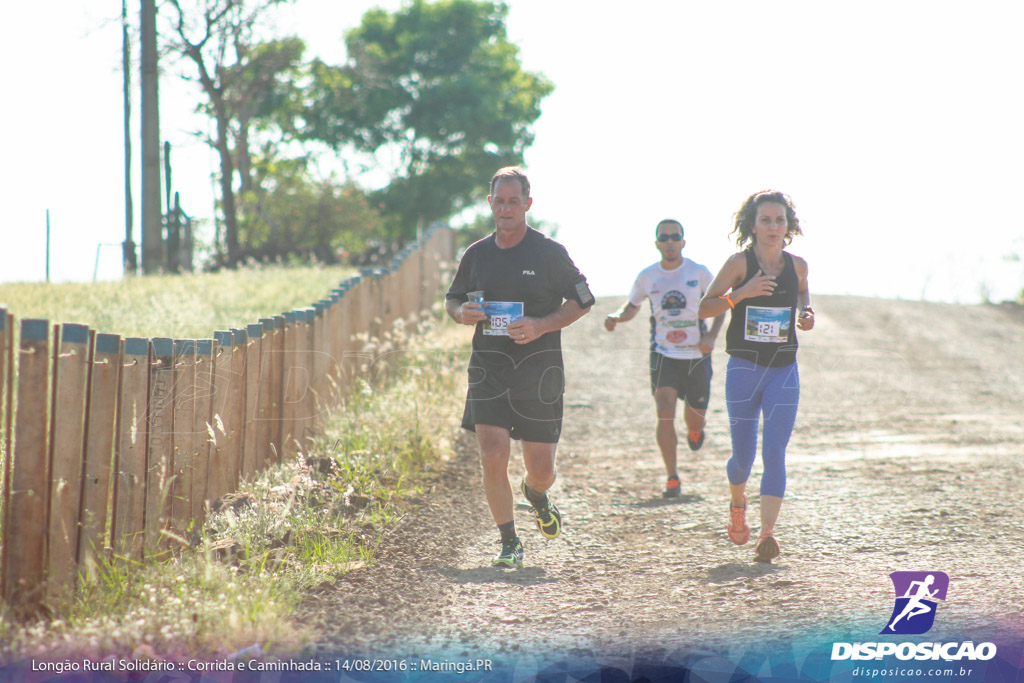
pixel 499 315
pixel 767 324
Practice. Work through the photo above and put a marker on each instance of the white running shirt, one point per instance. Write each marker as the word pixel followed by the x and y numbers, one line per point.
pixel 674 296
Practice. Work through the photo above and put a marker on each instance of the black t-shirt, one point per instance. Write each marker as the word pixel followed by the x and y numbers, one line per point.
pixel 539 273
pixel 763 329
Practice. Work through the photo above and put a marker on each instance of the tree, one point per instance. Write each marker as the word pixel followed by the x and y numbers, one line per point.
pixel 248 84
pixel 293 213
pixel 436 93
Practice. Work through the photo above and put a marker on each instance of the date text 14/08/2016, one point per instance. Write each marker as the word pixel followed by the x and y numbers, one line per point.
pixel 447 665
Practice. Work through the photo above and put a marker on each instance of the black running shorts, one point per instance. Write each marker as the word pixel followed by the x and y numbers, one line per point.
pixel 690 377
pixel 526 420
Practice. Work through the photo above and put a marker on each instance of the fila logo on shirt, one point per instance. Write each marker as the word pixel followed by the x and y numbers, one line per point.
pixel 529 272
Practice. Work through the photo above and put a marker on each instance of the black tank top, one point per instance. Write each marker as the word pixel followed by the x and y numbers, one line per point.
pixel 763 329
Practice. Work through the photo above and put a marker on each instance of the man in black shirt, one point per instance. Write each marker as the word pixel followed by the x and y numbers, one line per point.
pixel 527 289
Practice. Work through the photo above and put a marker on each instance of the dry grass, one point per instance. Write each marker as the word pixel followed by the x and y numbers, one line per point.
pixel 183 307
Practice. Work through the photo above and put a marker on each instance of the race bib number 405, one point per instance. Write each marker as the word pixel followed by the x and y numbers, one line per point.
pixel 499 315
pixel 767 324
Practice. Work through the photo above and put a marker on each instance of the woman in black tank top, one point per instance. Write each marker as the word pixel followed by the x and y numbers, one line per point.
pixel 765 288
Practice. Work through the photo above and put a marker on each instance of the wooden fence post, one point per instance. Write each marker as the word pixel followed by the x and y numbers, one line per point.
pixel 319 356
pixel 236 407
pixel 277 388
pixel 159 455
pixel 201 444
pixel 130 451
pixel 67 442
pixel 101 421
pixel 6 399
pixel 250 445
pixel 183 456
pixel 290 385
pixel 220 420
pixel 264 419
pixel 24 556
pixel 5 427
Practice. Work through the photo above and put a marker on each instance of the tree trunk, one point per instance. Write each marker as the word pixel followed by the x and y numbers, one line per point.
pixel 227 172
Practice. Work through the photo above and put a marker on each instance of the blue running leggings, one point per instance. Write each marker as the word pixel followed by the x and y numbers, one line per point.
pixel 751 390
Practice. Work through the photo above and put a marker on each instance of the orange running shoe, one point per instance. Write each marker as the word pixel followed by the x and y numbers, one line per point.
pixel 672 488
pixel 739 532
pixel 767 547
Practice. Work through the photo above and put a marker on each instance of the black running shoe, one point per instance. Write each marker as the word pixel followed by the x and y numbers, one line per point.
pixel 549 520
pixel 511 554
pixel 693 443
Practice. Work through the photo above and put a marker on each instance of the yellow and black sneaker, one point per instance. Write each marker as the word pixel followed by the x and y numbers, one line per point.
pixel 511 554
pixel 549 520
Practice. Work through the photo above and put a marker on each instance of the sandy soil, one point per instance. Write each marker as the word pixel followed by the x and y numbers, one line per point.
pixel 907 455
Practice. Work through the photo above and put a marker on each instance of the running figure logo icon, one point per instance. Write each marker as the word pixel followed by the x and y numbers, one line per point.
pixel 916 593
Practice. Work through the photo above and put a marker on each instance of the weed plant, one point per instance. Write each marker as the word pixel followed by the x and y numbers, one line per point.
pixel 297 525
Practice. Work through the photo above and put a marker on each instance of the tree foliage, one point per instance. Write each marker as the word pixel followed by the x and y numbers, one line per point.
pixel 296 213
pixel 436 92
pixel 244 81
pixel 272 204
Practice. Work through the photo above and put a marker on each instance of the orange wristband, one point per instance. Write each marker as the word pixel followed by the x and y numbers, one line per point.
pixel 728 300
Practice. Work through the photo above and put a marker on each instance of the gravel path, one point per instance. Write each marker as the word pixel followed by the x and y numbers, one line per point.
pixel 907 455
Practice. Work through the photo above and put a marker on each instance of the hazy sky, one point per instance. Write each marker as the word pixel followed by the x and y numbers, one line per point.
pixel 895 126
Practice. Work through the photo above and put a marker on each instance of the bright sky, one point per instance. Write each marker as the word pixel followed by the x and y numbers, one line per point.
pixel 895 126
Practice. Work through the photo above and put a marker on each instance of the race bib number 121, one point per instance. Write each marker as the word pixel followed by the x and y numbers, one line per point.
pixel 767 324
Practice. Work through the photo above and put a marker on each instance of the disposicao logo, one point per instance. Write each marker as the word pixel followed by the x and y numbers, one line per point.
pixel 914 614
pixel 916 595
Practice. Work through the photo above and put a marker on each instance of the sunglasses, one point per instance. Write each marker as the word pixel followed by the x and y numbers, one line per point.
pixel 674 237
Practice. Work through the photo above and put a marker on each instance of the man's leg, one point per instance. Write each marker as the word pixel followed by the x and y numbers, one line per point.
pixel 694 418
pixel 665 406
pixel 696 395
pixel 495 446
pixel 539 459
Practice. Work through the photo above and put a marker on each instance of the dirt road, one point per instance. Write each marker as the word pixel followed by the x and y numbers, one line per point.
pixel 908 454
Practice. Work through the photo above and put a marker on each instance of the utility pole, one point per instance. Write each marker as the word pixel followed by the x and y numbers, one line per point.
pixel 152 213
pixel 129 256
pixel 47 245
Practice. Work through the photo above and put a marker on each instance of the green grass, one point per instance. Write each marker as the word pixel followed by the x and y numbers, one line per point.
pixel 296 526
pixel 183 306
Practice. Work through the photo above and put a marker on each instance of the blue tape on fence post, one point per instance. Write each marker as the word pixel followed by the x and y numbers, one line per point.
pixel 204 347
pixel 108 343
pixel 162 347
pixel 223 337
pixel 240 336
pixel 290 316
pixel 35 330
pixel 184 347
pixel 74 333
pixel 136 346
pixel 278 322
pixel 254 330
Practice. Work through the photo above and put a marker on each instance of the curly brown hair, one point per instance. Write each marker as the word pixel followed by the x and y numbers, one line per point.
pixel 745 217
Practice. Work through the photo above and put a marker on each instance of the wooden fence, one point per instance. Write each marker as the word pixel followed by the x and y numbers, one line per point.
pixel 118 446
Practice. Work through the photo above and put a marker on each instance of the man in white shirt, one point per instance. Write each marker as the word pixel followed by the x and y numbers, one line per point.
pixel 680 342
